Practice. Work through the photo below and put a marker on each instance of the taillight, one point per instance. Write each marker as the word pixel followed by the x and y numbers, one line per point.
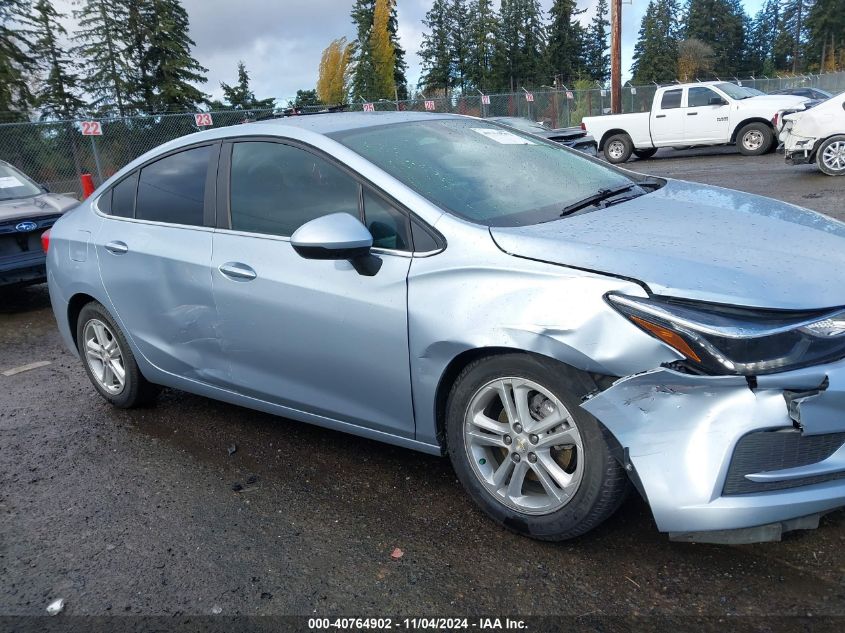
pixel 583 127
pixel 45 240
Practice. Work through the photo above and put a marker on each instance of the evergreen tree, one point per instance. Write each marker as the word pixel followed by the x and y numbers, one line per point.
pixel 304 98
pixel 792 34
pixel 400 66
pixel 566 41
pixel 656 50
pixel 381 49
pixel 461 44
pixel 140 23
pixel 597 47
pixel 483 26
pixel 100 46
pixel 520 53
pixel 720 25
pixel 15 61
pixel 436 51
pixel 57 94
pixel 826 35
pixel 240 96
pixel 764 55
pixel 174 69
pixel 363 73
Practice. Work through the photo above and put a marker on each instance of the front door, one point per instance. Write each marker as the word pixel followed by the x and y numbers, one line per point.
pixel 707 117
pixel 313 335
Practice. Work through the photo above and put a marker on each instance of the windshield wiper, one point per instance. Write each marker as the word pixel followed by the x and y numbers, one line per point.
pixel 601 194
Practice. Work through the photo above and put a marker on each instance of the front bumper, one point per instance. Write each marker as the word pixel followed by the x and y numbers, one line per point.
pixel 701 451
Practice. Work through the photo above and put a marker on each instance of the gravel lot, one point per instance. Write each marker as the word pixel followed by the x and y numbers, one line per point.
pixel 133 512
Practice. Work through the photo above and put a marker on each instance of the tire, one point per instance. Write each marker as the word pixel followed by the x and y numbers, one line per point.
pixel 830 156
pixel 645 153
pixel 597 484
pixel 104 352
pixel 618 148
pixel 755 139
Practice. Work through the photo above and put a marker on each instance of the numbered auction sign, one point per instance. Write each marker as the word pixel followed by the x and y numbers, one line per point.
pixel 92 128
pixel 529 96
pixel 203 119
pixel 485 99
pixel 369 107
pixel 429 105
pixel 569 94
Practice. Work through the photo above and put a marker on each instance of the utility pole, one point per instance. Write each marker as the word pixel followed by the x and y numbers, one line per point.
pixel 616 56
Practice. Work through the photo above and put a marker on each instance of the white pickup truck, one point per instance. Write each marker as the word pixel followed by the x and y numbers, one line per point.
pixel 691 115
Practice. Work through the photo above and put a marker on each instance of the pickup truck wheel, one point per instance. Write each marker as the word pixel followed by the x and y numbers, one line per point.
pixel 754 139
pixel 618 148
pixel 645 153
pixel 831 156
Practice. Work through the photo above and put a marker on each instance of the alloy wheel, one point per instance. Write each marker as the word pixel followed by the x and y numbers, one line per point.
pixel 834 156
pixel 523 445
pixel 104 356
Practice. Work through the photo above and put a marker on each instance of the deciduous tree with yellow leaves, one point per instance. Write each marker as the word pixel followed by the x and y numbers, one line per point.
pixel 382 51
pixel 333 81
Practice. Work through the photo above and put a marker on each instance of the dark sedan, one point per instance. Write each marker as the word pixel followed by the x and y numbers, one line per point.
pixel 573 137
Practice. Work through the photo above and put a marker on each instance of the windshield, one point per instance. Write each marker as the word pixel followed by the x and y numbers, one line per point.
pixel 738 92
pixel 522 124
pixel 13 184
pixel 482 172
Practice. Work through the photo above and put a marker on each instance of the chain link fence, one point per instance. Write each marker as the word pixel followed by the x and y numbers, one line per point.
pixel 55 153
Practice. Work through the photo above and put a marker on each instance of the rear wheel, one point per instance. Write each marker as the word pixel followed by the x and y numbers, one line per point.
pixel 618 148
pixel 831 156
pixel 525 451
pixel 645 153
pixel 755 139
pixel 108 359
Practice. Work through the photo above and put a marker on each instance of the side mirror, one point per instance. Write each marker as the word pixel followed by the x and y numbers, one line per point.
pixel 717 101
pixel 337 236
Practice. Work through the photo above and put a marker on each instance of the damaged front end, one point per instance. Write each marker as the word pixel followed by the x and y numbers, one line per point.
pixel 726 448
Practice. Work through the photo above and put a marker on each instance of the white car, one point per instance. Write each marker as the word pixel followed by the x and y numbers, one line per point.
pixel 691 115
pixel 817 135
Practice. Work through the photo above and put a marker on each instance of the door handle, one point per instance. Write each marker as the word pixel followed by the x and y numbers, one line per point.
pixel 117 247
pixel 692 113
pixel 659 116
pixel 237 271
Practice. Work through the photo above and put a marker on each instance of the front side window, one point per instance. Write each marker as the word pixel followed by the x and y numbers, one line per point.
pixel 700 97
pixel 671 99
pixel 277 188
pixel 388 226
pixel 482 172
pixel 172 189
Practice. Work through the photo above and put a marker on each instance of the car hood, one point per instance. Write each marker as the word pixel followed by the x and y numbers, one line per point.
pixel 784 101
pixel 702 243
pixel 35 207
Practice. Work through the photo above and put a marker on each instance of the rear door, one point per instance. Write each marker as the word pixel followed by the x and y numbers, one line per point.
pixel 707 117
pixel 667 119
pixel 154 253
pixel 313 335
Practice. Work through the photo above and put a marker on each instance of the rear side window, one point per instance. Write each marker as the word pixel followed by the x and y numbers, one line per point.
pixel 173 189
pixel 671 99
pixel 123 197
pixel 277 188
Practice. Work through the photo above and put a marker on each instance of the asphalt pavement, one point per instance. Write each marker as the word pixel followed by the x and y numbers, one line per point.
pixel 149 512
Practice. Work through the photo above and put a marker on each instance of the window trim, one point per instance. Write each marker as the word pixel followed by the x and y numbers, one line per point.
pixel 209 201
pixel 224 179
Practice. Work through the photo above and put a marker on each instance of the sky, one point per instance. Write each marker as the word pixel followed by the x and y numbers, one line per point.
pixel 281 41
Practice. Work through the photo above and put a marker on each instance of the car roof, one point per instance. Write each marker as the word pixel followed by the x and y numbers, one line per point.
pixel 342 121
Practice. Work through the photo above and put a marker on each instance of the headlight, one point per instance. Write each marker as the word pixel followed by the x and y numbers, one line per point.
pixel 727 340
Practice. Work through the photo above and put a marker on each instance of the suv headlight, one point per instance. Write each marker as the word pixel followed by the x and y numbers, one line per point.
pixel 721 339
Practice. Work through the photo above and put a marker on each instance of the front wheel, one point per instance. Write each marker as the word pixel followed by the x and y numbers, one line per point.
pixel 108 359
pixel 525 451
pixel 755 139
pixel 831 156
pixel 618 148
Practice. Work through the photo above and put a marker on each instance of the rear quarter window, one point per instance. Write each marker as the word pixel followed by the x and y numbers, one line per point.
pixel 172 189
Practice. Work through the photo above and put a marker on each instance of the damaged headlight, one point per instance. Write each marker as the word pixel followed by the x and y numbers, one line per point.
pixel 722 339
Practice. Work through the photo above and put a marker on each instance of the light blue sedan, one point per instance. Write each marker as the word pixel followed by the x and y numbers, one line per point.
pixel 562 329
